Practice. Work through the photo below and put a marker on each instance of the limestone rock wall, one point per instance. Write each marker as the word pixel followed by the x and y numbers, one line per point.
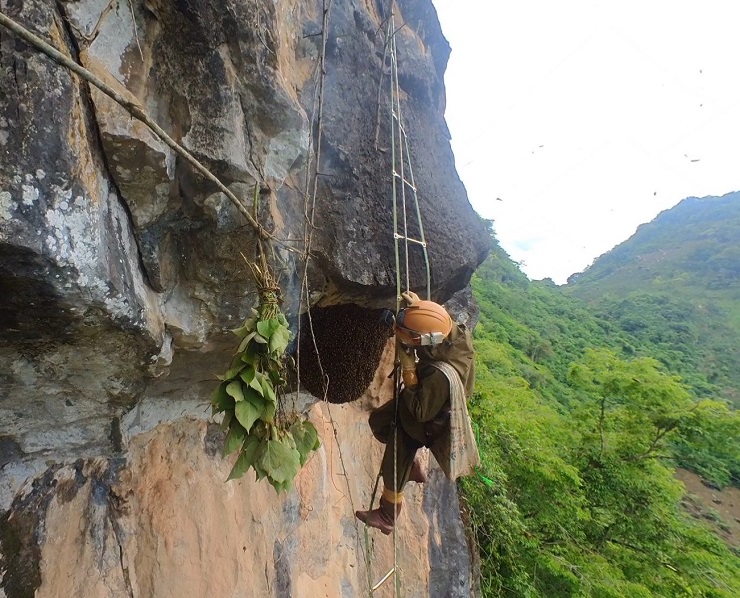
pixel 159 520
pixel 120 273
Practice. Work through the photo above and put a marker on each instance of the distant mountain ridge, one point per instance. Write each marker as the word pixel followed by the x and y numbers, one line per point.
pixel 675 286
pixel 701 234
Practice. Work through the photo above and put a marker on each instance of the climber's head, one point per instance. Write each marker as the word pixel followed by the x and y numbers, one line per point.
pixel 424 323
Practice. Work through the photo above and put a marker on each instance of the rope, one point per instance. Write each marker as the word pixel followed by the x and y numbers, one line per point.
pixel 311 190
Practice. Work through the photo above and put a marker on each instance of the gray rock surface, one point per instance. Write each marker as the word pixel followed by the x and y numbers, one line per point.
pixel 121 267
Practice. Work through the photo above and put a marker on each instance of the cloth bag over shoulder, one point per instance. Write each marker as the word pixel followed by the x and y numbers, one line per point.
pixel 456 450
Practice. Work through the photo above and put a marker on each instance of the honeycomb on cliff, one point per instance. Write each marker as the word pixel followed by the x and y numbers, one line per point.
pixel 350 341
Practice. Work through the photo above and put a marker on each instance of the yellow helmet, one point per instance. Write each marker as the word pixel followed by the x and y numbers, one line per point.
pixel 423 323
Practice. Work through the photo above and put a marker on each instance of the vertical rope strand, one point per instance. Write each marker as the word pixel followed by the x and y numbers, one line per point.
pixel 399 171
pixel 422 238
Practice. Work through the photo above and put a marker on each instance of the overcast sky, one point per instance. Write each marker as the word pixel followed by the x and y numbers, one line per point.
pixel 573 122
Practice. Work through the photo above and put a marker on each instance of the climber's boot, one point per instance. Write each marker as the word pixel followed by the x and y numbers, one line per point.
pixel 417 474
pixel 382 518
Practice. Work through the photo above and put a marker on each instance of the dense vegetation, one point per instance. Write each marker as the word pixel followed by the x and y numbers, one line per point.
pixel 675 288
pixel 580 428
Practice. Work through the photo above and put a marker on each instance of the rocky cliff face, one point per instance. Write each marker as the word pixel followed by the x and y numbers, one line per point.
pixel 121 270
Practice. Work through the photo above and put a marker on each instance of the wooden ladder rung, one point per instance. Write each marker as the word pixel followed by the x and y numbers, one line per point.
pixel 384 579
pixel 410 240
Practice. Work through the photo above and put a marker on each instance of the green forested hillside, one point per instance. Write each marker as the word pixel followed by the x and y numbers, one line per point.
pixel 579 430
pixel 674 286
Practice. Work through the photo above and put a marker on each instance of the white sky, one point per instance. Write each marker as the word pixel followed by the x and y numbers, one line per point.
pixel 587 118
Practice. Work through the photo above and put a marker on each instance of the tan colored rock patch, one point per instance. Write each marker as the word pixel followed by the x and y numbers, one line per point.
pixel 186 533
pixel 81 555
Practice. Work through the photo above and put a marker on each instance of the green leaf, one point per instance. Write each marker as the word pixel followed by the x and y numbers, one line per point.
pixel 277 379
pixel 279 339
pixel 245 342
pixel 281 486
pixel 289 440
pixel 228 416
pixel 260 339
pixel 267 391
pixel 247 376
pixel 233 372
pixel 245 459
pixel 256 382
pixel 234 389
pixel 282 320
pixel 241 332
pixel 240 467
pixel 234 438
pixel 252 447
pixel 280 461
pixel 221 401
pixel 306 438
pixel 263 327
pixel 246 413
pixel 267 327
pixel 268 413
pixel 254 398
pixel 258 469
pixel 245 328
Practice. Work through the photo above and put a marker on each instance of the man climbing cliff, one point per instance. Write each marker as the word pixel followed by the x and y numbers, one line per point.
pixel 431 408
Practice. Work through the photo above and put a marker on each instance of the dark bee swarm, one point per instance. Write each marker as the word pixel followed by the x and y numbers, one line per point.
pixel 350 341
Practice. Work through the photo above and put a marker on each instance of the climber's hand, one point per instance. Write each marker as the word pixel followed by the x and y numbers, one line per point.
pixel 410 297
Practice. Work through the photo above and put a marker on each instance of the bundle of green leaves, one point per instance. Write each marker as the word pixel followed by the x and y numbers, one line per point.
pixel 274 443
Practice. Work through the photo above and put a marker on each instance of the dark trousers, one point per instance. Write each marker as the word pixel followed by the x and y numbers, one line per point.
pixel 401 452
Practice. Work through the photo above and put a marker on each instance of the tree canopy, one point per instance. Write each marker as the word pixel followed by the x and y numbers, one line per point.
pixel 580 430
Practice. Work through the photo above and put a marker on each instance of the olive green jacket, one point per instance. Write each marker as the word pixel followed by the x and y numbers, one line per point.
pixel 424 410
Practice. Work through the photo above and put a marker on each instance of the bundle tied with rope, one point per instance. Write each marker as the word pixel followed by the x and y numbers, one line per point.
pixel 270 439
